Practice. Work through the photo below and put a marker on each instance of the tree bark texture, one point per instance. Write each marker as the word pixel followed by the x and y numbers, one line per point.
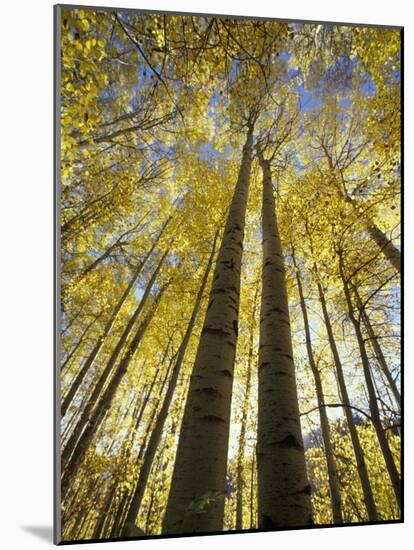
pixel 373 404
pixel 373 339
pixel 386 246
pixel 162 416
pixel 196 499
pixel 98 408
pixel 283 486
pixel 323 417
pixel 356 444
pixel 240 482
pixel 107 328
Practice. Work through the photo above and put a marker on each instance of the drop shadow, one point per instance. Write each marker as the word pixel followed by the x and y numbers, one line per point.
pixel 43 532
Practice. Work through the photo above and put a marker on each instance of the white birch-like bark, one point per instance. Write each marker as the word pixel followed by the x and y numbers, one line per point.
pixel 283 486
pixel 196 500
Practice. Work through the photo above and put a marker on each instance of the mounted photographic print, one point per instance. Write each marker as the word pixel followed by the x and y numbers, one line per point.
pixel 227 274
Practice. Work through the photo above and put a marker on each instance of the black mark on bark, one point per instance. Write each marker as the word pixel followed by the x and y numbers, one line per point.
pixel 215 331
pixel 213 418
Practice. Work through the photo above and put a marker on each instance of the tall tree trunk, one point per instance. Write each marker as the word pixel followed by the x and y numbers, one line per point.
pixel 103 403
pixel 163 413
pixel 106 528
pixel 245 410
pixel 252 475
pixel 356 445
pixel 78 344
pixel 149 524
pixel 373 404
pixel 377 349
pixel 117 244
pixel 90 405
pixel 140 456
pixel 104 512
pixel 72 320
pixel 323 417
pixel 108 327
pixel 122 510
pixel 196 502
pixel 149 511
pixel 283 486
pixel 139 413
pixel 386 246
